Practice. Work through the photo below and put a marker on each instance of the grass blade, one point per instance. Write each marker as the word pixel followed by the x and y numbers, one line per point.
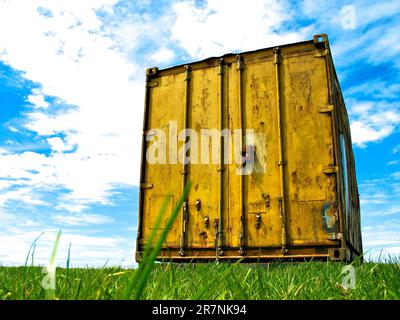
pixel 132 280
pixel 148 264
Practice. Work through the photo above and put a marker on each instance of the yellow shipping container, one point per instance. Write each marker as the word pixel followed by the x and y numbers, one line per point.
pixel 268 153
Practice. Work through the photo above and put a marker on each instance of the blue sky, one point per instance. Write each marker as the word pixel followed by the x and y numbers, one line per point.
pixel 71 101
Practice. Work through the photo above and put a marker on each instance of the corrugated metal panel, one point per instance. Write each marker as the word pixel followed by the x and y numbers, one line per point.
pixel 293 204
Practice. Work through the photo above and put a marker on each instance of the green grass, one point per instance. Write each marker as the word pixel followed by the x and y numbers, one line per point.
pixel 212 281
pixel 309 280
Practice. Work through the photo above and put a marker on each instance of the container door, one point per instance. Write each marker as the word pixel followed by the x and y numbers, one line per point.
pixel 261 225
pixel 203 201
pixel 310 171
pixel 162 172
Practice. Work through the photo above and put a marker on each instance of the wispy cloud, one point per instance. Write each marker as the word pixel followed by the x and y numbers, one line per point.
pixel 85 249
pixel 380 197
pixel 23 195
pixel 382 240
pixel 372 120
pixel 82 219
pixel 393 210
pixel 393 162
pixel 376 89
pixel 396 175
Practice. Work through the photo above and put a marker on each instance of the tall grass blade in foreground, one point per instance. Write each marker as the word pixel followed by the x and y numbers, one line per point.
pixel 68 264
pixel 26 269
pixel 130 286
pixel 31 248
pixel 151 252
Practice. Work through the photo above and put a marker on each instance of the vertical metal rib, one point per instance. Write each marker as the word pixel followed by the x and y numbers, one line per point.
pixel 241 144
pixel 184 166
pixel 220 250
pixel 149 73
pixel 281 161
pixel 334 116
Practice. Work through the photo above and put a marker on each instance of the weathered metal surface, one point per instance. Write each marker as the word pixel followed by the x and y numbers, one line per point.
pixel 301 198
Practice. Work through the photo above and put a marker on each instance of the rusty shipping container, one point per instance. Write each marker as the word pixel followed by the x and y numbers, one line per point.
pixel 298 198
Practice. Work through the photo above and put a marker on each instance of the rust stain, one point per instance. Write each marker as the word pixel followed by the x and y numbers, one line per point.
pixel 203 235
pixel 330 215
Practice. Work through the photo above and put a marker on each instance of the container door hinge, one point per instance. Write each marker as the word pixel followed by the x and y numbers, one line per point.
pixel 267 199
pixel 335 236
pixel 146 185
pixel 149 133
pixel 152 84
pixel 326 109
pixel 330 169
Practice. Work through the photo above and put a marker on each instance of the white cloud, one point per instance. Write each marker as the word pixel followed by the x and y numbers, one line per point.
pixel 231 25
pixel 12 129
pixel 386 46
pixel 162 55
pixel 373 109
pixel 65 51
pixel 57 144
pixel 372 120
pixel 393 162
pixel 82 219
pixel 24 168
pixel 38 100
pixel 396 149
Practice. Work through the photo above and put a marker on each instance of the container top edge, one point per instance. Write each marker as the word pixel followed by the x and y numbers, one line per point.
pixel 232 54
